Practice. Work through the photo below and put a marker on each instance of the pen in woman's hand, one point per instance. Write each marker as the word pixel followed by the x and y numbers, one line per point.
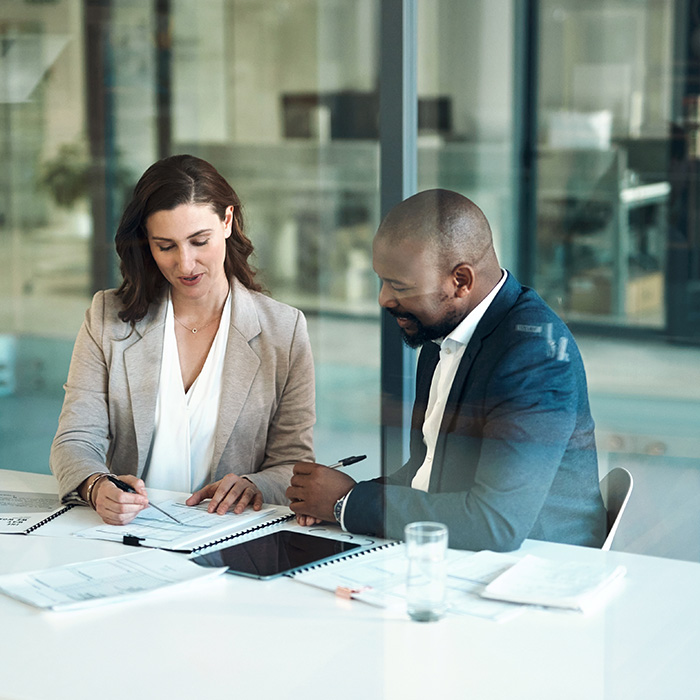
pixel 130 489
pixel 347 461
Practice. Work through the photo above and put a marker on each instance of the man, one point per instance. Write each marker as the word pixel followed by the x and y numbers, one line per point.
pixel 502 443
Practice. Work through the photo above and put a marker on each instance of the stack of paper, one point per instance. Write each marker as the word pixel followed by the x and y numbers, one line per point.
pixel 573 585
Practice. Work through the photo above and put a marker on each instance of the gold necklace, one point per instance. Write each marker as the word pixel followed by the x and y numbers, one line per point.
pixel 195 330
pixel 208 323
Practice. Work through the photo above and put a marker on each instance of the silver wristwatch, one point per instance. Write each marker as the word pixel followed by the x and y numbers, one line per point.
pixel 338 508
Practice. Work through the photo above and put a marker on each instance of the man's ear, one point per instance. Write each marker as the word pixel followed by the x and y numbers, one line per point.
pixel 463 279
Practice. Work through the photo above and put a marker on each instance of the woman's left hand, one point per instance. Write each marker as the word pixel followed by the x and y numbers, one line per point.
pixel 232 490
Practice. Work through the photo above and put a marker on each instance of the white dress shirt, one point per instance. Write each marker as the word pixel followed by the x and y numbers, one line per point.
pixel 452 349
pixel 185 426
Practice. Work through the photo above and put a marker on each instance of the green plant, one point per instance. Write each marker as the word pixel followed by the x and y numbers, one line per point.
pixel 67 175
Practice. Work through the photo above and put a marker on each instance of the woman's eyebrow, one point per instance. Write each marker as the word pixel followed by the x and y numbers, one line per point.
pixel 192 235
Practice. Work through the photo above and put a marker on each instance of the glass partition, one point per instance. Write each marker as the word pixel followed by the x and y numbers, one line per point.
pixel 616 240
pixel 282 97
pixel 279 96
pixel 605 115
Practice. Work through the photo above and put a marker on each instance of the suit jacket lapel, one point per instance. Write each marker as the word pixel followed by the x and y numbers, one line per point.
pixel 142 360
pixel 427 362
pixel 240 366
pixel 500 306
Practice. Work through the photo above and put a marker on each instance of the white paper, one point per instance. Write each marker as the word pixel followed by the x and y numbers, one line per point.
pixel 467 576
pixel 100 581
pixel 379 578
pixel 198 526
pixel 536 581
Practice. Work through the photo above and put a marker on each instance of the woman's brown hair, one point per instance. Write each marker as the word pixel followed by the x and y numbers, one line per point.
pixel 167 184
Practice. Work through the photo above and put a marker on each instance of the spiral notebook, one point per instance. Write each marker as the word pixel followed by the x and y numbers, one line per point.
pixel 197 530
pixel 24 512
pixel 374 573
pixel 378 576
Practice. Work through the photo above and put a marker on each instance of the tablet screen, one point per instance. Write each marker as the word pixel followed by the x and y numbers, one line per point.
pixel 275 554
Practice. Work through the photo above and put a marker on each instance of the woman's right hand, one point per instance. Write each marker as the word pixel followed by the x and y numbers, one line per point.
pixel 117 507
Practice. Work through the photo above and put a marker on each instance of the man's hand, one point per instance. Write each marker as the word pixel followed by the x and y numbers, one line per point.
pixel 315 489
pixel 232 491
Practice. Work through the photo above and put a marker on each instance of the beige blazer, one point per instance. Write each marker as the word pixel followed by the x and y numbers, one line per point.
pixel 266 413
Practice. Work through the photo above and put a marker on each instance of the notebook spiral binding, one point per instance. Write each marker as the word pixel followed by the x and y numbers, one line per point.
pixel 346 557
pixel 232 536
pixel 63 510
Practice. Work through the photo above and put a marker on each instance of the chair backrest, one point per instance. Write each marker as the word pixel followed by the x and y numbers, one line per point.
pixel 615 487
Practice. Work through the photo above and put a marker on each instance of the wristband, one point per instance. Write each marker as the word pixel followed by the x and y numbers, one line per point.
pixel 88 494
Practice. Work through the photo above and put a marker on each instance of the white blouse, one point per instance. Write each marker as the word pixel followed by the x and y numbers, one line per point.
pixel 185 425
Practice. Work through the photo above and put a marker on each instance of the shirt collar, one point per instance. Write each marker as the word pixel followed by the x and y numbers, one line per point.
pixel 463 333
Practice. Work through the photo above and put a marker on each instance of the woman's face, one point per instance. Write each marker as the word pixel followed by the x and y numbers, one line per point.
pixel 188 244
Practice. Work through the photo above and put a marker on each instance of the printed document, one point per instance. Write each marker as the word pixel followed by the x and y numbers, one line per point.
pixel 153 529
pixel 575 585
pixel 379 578
pixel 21 511
pixel 76 586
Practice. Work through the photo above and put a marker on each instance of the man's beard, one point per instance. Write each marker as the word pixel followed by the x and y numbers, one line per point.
pixel 423 333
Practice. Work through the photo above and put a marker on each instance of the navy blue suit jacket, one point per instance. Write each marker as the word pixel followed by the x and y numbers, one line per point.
pixel 515 456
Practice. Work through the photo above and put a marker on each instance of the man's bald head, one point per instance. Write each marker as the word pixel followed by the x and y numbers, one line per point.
pixel 446 222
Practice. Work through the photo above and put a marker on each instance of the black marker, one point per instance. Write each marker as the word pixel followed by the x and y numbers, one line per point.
pixel 129 489
pixel 347 461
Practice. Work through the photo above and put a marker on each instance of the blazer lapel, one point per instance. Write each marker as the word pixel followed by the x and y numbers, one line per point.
pixel 142 361
pixel 240 366
pixel 500 306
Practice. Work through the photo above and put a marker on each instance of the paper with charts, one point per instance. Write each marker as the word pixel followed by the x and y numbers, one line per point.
pixel 153 529
pixel 90 583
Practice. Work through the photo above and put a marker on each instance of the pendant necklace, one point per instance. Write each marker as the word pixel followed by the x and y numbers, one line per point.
pixel 201 328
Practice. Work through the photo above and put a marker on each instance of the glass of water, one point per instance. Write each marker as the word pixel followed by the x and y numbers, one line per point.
pixel 426 548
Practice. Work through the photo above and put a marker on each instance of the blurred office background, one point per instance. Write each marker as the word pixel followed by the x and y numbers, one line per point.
pixel 574 125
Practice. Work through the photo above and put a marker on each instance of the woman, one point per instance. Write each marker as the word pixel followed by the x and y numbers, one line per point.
pixel 186 377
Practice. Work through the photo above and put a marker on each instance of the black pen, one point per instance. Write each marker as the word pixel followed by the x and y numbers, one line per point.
pixel 347 461
pixel 129 489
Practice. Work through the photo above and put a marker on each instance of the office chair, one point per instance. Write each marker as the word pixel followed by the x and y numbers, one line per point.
pixel 615 487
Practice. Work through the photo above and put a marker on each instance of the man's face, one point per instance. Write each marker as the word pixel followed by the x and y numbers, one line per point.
pixel 414 290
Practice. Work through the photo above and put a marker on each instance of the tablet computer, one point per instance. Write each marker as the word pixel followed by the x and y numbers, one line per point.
pixel 278 553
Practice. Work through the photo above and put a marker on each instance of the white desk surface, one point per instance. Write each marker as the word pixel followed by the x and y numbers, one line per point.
pixel 237 637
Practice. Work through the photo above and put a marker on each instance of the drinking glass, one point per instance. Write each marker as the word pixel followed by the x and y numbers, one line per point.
pixel 426 548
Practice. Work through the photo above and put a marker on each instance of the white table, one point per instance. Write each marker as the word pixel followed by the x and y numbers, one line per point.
pixel 237 637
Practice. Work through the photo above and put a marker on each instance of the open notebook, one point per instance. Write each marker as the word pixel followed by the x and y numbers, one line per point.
pixel 198 530
pixel 41 514
pixel 23 513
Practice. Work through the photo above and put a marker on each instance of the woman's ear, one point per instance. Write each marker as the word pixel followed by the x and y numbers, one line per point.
pixel 228 221
pixel 463 278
